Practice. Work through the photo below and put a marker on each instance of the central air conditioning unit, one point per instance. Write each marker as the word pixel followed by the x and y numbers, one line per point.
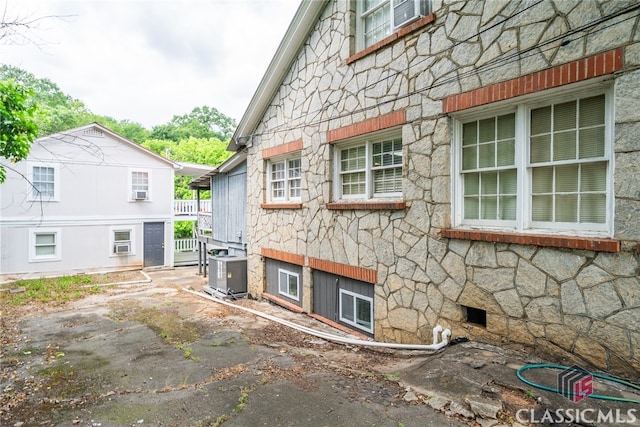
pixel 122 248
pixel 406 11
pixel 227 276
pixel 140 195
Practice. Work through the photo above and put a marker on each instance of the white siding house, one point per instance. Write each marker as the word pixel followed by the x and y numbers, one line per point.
pixel 86 200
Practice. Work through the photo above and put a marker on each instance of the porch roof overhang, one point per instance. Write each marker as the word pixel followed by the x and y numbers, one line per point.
pixel 301 26
pixel 203 182
pixel 193 170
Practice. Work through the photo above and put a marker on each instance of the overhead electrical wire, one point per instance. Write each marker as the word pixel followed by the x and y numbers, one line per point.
pixel 428 57
pixel 490 65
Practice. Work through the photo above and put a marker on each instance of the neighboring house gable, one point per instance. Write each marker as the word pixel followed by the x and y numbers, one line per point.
pixel 447 177
pixel 83 200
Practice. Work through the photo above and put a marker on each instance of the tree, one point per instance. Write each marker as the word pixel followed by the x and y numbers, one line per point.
pixel 18 128
pixel 57 111
pixel 209 151
pixel 130 130
pixel 202 122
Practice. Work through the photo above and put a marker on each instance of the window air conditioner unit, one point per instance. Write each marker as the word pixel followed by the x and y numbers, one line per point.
pixel 122 248
pixel 405 11
pixel 140 195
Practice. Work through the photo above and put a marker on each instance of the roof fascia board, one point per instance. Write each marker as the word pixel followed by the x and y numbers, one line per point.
pixel 203 181
pixel 301 26
pixel 233 161
pixel 122 139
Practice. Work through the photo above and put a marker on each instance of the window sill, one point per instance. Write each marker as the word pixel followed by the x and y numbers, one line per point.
pixel 51 259
pixel 281 205
pixel 282 302
pixel 366 205
pixel 340 327
pixel 555 241
pixel 393 37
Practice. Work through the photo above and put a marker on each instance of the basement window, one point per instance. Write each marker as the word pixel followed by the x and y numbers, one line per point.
pixel 476 316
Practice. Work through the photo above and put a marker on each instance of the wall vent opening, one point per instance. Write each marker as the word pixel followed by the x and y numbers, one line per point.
pixel 476 316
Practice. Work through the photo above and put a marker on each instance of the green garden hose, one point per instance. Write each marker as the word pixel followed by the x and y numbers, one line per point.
pixel 593 396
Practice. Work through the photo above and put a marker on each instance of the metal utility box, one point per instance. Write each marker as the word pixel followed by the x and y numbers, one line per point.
pixel 228 274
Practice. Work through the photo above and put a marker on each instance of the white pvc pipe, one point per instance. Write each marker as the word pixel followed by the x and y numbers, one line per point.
pixel 446 333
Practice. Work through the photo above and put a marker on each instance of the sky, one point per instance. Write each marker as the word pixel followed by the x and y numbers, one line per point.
pixel 148 60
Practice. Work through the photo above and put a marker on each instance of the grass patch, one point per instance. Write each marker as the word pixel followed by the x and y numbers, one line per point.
pixel 166 323
pixel 57 290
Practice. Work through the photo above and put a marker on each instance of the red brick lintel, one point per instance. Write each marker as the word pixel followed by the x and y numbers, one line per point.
pixel 366 205
pixel 393 37
pixel 594 66
pixel 357 273
pixel 278 150
pixel 555 241
pixel 281 205
pixel 283 303
pixel 387 121
pixel 282 256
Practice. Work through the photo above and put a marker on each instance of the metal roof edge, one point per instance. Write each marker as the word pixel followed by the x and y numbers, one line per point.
pixel 297 33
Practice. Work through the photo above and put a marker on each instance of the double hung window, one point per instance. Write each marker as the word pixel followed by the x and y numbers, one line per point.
pixel 369 169
pixel 285 179
pixel 44 244
pixel 139 185
pixel 43 182
pixel 542 165
pixel 377 19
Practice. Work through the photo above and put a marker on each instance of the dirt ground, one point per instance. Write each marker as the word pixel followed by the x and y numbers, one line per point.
pixel 152 354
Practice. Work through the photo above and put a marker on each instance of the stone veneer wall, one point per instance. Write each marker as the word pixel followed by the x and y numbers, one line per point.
pixel 582 305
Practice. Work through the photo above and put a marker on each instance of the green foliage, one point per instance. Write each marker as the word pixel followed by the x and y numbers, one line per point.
pixel 130 130
pixel 183 229
pixel 198 137
pixel 203 123
pixel 18 128
pixel 57 111
pixel 211 151
pixel 58 290
pixel 160 146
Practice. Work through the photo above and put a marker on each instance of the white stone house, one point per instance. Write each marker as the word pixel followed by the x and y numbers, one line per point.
pixel 86 200
pixel 473 164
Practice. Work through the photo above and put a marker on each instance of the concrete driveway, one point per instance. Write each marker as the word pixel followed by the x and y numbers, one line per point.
pixel 151 354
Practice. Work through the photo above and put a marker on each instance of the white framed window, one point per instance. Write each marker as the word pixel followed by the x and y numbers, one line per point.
pixel 121 240
pixel 369 169
pixel 45 244
pixel 543 164
pixel 44 181
pixel 289 284
pixel 377 19
pixel 285 179
pixel 139 185
pixel 356 310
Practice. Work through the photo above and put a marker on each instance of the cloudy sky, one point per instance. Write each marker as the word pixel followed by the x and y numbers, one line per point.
pixel 148 60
